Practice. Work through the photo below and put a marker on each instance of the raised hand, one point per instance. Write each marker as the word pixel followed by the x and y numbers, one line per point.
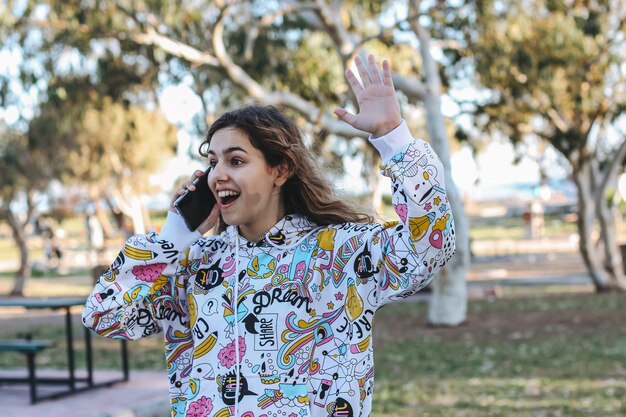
pixel 379 110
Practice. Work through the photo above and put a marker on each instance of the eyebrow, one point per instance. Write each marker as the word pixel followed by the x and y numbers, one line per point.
pixel 230 150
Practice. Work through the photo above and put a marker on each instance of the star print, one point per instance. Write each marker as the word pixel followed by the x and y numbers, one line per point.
pixel 428 206
pixel 330 305
pixel 437 200
pixel 312 313
pixel 339 296
pixel 314 287
pixel 443 208
pixel 303 412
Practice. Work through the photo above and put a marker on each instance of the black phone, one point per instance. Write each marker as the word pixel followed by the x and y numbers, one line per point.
pixel 195 206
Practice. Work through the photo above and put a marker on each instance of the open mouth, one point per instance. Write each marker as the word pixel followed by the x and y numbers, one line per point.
pixel 227 197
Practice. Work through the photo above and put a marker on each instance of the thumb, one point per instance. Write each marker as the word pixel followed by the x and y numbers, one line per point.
pixel 345 116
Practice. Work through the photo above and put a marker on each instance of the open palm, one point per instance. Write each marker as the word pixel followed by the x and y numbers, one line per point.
pixel 379 111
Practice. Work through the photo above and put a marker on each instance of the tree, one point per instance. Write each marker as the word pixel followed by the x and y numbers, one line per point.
pixel 109 148
pixel 18 183
pixel 555 72
pixel 235 50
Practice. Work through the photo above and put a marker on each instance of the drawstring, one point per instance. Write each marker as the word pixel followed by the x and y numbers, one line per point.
pixel 234 237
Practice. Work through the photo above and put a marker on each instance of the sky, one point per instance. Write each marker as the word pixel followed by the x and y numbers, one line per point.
pixel 482 177
pixel 493 169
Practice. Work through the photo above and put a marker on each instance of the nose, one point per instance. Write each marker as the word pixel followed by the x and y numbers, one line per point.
pixel 218 173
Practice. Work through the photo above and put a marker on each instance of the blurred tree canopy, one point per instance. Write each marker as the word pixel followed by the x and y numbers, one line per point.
pixel 555 71
pixel 290 54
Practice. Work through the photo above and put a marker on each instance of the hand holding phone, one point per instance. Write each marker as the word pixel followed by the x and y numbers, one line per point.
pixel 195 206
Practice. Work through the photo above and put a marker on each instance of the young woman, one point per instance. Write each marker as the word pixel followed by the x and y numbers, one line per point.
pixel 273 316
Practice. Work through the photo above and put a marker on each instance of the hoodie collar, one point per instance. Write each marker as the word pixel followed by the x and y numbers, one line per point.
pixel 287 232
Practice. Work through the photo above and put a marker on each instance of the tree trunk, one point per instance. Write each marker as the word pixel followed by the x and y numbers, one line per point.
pixel 585 223
pixel 448 305
pixel 612 257
pixel 23 273
pixel 103 218
pixel 131 205
pixel 136 215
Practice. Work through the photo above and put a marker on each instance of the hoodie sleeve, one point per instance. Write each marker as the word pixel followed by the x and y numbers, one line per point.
pixel 400 258
pixel 146 279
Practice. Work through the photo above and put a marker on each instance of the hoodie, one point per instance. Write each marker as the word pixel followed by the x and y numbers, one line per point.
pixel 283 326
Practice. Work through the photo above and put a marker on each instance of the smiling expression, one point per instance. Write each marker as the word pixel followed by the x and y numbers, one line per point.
pixel 247 189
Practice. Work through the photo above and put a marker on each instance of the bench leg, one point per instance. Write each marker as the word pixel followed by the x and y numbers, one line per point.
pixel 32 382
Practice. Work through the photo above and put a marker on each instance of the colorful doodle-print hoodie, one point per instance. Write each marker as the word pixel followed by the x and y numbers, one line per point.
pixel 281 327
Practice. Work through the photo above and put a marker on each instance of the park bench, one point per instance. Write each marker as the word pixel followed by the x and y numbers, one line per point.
pixel 30 348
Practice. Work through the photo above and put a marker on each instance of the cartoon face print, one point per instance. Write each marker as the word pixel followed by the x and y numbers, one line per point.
pixel 426 186
pixel 413 167
pixel 136 292
pixel 202 370
pixel 209 278
pixel 262 266
pixel 228 387
pixel 363 265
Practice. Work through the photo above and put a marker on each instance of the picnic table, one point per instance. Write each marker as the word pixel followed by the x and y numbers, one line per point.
pixel 31 347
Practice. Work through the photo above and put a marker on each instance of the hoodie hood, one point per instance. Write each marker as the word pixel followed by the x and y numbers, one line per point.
pixel 289 231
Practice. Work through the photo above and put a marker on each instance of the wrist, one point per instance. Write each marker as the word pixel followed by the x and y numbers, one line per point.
pixel 385 128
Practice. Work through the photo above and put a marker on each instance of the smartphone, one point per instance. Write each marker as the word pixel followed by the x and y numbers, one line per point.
pixel 195 206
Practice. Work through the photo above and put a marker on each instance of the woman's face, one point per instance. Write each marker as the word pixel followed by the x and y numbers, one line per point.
pixel 246 188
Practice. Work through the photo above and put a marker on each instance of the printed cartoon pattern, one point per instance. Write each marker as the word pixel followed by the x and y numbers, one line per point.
pixel 280 327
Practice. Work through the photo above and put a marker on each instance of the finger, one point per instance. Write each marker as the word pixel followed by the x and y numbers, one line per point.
pixel 387 80
pixel 189 186
pixel 374 72
pixel 345 115
pixel 363 72
pixel 211 221
pixel 355 85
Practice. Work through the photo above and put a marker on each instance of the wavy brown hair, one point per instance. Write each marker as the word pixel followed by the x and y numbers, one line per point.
pixel 307 192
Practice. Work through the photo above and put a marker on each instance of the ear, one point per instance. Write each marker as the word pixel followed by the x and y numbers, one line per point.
pixel 282 173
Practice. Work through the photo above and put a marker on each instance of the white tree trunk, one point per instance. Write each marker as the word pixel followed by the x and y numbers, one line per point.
pixel 136 214
pixel 130 204
pixel 448 305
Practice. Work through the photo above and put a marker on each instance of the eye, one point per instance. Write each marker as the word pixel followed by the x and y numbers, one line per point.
pixel 212 163
pixel 236 161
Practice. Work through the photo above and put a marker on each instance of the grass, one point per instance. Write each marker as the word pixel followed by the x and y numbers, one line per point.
pixel 144 354
pixel 508 367
pixel 530 355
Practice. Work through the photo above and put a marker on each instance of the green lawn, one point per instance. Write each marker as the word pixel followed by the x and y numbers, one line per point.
pixel 553 356
pixel 530 356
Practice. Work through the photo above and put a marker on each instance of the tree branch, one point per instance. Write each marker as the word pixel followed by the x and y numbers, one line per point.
pixel 196 57
pixel 610 171
pixel 267 19
pixel 240 78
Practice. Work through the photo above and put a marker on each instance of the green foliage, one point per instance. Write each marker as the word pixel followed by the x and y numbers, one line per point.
pixel 548 66
pixel 17 160
pixel 94 141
